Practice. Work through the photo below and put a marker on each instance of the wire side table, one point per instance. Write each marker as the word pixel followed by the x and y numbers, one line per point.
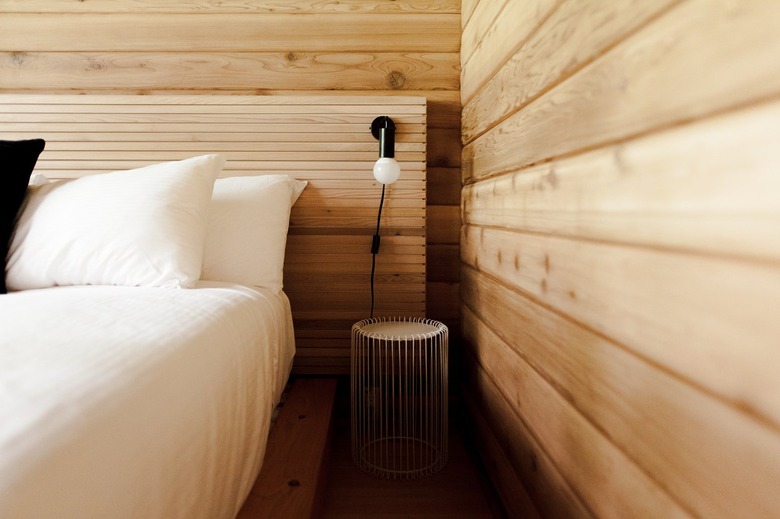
pixel 399 396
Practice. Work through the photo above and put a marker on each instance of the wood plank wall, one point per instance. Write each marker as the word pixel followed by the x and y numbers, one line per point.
pixel 621 254
pixel 261 47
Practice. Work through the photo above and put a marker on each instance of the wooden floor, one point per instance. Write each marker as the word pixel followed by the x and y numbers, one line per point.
pixel 458 491
pixel 296 455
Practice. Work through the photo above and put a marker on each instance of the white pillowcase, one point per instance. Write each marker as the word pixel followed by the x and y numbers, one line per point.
pixel 247 229
pixel 38 179
pixel 141 227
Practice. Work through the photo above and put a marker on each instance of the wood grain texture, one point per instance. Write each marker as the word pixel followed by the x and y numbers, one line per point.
pixel 510 487
pixel 443 146
pixel 441 189
pixel 587 458
pixel 478 25
pixel 328 264
pixel 444 109
pixel 443 298
pixel 443 224
pixel 467 8
pixel 289 484
pixel 511 26
pixel 443 262
pixel 231 6
pixel 515 453
pixel 214 70
pixel 443 105
pixel 666 295
pixel 673 190
pixel 149 32
pixel 706 443
pixel 575 34
pixel 620 262
pixel 669 73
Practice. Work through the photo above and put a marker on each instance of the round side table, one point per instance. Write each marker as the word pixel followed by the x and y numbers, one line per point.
pixel 399 396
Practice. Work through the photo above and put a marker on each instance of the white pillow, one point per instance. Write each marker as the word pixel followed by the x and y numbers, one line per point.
pixel 247 229
pixel 141 227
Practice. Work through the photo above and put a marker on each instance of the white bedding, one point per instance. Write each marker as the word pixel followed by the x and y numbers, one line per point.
pixel 137 402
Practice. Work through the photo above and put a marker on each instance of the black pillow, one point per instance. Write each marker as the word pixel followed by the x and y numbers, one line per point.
pixel 17 160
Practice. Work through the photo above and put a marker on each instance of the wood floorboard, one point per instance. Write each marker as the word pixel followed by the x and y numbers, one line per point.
pixel 297 451
pixel 459 491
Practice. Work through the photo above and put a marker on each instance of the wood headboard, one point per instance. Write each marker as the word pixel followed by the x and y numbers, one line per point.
pixel 325 140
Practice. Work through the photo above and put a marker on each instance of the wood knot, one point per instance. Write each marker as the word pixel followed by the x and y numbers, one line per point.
pixel 396 80
pixel 291 56
pixel 301 417
pixel 18 58
pixel 294 483
pixel 94 64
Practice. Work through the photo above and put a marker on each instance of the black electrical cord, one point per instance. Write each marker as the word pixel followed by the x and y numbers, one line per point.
pixel 375 248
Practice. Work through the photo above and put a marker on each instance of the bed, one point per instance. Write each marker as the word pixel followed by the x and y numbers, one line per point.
pixel 143 341
pixel 163 412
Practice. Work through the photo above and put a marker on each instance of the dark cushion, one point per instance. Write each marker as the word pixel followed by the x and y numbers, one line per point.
pixel 17 160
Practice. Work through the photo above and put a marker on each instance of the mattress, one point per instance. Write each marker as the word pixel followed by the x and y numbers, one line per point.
pixel 137 402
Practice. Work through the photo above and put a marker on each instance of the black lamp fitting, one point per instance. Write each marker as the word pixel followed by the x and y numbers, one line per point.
pixel 383 129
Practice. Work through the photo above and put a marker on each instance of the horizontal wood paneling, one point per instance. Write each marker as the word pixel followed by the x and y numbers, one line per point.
pixel 704 440
pixel 441 191
pixel 665 295
pixel 100 70
pixel 512 447
pixel 443 107
pixel 217 32
pixel 478 26
pixel 646 83
pixel 443 147
pixel 444 103
pixel 515 23
pixel 328 263
pixel 511 489
pixel 255 47
pixel 576 33
pixel 443 299
pixel 672 190
pixel 443 263
pixel 620 254
pixel 576 446
pixel 443 224
pixel 232 6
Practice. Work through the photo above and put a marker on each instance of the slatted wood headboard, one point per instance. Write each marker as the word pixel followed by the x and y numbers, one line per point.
pixel 325 140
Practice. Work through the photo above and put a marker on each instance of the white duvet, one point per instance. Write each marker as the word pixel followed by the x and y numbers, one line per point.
pixel 137 402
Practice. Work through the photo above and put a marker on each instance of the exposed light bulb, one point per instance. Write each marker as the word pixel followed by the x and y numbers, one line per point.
pixel 387 170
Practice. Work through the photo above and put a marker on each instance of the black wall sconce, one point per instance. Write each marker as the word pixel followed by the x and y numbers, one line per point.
pixel 386 169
